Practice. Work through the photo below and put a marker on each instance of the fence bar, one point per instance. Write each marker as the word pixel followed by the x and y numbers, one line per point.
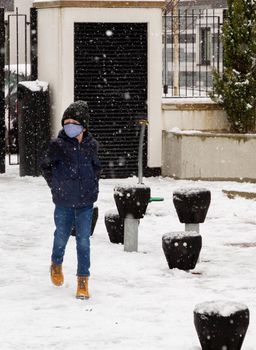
pixel 172 42
pixel 9 85
pixel 17 44
pixel 213 40
pixel 186 45
pixel 193 52
pixel 200 52
pixel 208 57
pixel 26 47
pixel 218 47
pixel 17 75
pixel 179 40
pixel 2 92
pixel 33 44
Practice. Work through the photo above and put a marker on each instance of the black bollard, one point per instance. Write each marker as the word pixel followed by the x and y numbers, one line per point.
pixel 192 204
pixel 95 215
pixel 132 200
pixel 221 325
pixel 115 226
pixel 182 249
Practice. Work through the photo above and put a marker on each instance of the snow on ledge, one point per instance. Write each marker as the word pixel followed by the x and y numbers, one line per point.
pixel 219 307
pixel 35 85
pixel 177 130
pixel 187 100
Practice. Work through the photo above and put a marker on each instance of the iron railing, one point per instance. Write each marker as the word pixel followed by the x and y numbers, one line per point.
pixel 21 64
pixel 192 48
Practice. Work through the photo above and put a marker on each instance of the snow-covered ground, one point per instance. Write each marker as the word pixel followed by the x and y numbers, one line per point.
pixel 137 302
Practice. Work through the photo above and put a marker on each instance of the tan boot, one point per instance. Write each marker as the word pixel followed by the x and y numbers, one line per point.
pixel 82 287
pixel 57 274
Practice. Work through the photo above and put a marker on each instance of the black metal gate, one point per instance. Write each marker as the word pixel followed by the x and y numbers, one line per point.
pixel 111 74
pixel 13 70
pixel 2 93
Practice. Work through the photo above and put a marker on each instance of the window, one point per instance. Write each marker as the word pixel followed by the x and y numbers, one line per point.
pixel 205 46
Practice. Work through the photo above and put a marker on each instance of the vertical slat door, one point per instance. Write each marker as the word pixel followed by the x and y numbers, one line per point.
pixel 111 74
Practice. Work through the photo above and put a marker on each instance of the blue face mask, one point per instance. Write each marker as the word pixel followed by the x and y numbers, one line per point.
pixel 73 130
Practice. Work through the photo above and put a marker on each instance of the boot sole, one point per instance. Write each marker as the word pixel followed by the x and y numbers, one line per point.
pixel 81 297
pixel 57 285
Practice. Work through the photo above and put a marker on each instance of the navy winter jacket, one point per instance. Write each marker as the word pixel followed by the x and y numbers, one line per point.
pixel 72 170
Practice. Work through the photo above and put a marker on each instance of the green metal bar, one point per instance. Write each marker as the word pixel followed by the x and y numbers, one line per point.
pixel 156 199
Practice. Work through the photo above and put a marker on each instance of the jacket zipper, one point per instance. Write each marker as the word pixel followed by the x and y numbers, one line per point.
pixel 79 168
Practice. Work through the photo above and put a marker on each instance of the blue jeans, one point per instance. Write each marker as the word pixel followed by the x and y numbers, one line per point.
pixel 65 219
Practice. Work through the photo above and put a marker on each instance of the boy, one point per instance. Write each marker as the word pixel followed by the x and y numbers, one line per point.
pixel 71 168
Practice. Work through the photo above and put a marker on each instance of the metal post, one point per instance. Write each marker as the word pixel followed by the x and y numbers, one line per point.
pixel 186 51
pixel 17 49
pixel 207 49
pixel 192 227
pixel 26 46
pixel 165 55
pixel 130 224
pixel 131 234
pixel 176 56
pixel 33 44
pixel 193 53
pixel 143 123
pixel 2 92
pixel 200 53
pixel 218 48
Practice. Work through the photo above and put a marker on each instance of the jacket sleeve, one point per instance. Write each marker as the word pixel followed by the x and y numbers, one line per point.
pixel 96 162
pixel 48 160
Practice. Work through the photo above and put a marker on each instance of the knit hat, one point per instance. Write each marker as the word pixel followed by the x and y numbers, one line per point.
pixel 78 111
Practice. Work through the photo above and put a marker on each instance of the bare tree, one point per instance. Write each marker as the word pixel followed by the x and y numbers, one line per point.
pixel 172 6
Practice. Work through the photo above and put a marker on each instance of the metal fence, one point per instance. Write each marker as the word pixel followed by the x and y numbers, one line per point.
pixel 20 64
pixel 192 48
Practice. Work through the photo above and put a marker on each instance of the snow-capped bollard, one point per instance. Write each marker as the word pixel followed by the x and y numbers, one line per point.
pixel 221 325
pixel 115 226
pixel 182 249
pixel 131 202
pixel 95 215
pixel 192 205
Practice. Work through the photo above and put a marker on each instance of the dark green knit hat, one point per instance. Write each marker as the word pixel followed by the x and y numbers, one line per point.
pixel 78 111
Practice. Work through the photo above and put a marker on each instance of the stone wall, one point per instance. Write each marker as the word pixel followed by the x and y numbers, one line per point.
pixel 209 156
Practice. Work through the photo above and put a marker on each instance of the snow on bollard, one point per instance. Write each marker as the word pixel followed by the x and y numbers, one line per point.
pixel 192 205
pixel 115 226
pixel 182 249
pixel 131 202
pixel 221 325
